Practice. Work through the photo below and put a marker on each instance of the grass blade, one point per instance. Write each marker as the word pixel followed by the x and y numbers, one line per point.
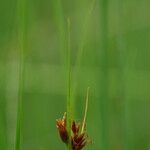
pixel 86 109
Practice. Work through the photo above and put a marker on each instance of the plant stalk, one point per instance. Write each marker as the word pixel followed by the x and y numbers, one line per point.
pixel 21 8
pixel 69 100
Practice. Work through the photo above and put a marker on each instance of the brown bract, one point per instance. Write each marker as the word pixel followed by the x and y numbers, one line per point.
pixel 78 140
pixel 61 126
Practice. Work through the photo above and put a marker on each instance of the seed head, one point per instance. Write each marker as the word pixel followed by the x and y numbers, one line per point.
pixel 78 137
pixel 78 140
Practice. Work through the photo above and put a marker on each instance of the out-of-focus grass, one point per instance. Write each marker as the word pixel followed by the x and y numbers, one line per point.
pixel 104 82
pixel 60 23
pixel 118 114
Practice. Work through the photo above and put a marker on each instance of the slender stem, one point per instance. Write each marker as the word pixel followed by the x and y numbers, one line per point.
pixel 22 42
pixel 86 109
pixel 69 102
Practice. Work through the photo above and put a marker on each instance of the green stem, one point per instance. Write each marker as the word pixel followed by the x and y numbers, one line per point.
pixel 69 102
pixel 22 42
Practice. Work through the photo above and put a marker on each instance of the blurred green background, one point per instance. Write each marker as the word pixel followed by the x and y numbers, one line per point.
pixel 112 40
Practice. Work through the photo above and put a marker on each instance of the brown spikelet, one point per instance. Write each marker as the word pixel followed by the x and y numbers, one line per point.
pixel 75 128
pixel 78 139
pixel 61 126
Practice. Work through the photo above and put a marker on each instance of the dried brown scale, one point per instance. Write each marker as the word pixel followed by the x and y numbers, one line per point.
pixel 61 125
pixel 78 140
pixel 75 127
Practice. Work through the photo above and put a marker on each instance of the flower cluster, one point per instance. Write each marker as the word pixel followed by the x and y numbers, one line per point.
pixel 78 138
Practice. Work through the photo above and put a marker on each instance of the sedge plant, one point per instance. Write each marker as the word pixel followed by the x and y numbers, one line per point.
pixel 77 138
pixel 72 133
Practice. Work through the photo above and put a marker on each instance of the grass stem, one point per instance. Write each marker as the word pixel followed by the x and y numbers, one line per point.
pixel 69 101
pixel 22 43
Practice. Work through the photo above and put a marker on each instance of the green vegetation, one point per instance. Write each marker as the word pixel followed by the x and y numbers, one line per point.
pixel 21 39
pixel 47 61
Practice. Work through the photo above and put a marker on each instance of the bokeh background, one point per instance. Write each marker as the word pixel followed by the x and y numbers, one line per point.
pixel 111 38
